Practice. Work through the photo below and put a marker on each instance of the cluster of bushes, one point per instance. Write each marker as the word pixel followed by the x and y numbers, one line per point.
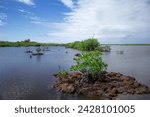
pixel 18 43
pixel 90 62
pixel 85 45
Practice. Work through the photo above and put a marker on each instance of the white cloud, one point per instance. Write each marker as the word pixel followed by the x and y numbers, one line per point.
pixel 3 18
pixel 39 21
pixel 109 20
pixel 28 2
pixel 24 11
pixel 35 19
pixel 68 3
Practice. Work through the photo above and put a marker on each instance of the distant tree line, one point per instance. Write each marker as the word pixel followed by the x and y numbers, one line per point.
pixel 26 42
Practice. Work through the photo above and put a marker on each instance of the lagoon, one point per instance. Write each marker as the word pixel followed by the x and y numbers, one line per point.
pixel 22 77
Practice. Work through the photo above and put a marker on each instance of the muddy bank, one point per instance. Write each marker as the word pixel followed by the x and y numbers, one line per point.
pixel 108 86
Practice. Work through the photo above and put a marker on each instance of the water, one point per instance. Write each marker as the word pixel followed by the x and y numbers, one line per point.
pixel 22 77
pixel 135 61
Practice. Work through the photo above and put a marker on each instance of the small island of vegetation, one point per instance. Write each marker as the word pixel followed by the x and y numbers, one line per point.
pixel 89 77
pixel 88 45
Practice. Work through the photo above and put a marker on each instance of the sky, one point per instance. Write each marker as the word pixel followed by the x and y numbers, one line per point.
pixel 62 21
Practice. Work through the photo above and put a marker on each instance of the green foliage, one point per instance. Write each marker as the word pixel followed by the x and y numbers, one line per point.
pixel 86 45
pixel 27 40
pixel 63 73
pixel 90 44
pixel 105 48
pixel 38 50
pixel 90 63
pixel 18 43
pixel 25 43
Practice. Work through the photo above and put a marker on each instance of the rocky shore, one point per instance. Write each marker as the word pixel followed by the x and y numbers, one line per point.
pixel 108 86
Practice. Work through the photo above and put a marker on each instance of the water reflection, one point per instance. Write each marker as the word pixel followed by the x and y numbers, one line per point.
pixel 120 52
pixel 38 58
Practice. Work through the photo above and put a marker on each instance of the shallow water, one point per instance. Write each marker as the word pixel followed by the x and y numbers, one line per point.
pixel 135 61
pixel 22 77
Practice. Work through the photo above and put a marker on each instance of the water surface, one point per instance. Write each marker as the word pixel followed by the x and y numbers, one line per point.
pixel 22 77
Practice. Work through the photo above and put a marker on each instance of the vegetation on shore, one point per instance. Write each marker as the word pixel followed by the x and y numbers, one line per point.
pixel 85 45
pixel 25 43
pixel 88 45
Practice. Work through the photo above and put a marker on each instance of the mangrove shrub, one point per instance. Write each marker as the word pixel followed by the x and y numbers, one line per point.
pixel 90 64
pixel 86 45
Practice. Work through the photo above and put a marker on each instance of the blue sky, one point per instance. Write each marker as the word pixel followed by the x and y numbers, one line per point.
pixel 60 21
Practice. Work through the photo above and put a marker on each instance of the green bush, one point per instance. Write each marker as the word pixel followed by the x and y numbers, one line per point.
pixel 26 43
pixel 90 44
pixel 63 73
pixel 86 45
pixel 90 64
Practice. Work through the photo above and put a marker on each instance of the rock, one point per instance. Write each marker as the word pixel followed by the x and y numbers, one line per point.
pixel 64 87
pixel 142 90
pixel 113 92
pixel 120 90
pixel 99 92
pixel 67 88
pixel 131 91
pixel 28 51
pixel 114 85
pixel 118 75
pixel 75 75
pixel 125 78
pixel 71 89
pixel 84 91
pixel 96 86
pixel 136 84
pixel 129 83
pixel 112 73
pixel 77 83
pixel 78 54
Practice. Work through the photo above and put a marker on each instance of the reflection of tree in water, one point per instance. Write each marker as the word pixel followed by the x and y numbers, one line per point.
pixel 38 50
pixel 38 58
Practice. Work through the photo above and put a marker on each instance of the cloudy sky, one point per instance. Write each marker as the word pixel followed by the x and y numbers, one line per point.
pixel 111 21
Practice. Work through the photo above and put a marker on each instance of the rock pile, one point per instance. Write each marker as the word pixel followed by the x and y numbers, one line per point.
pixel 108 86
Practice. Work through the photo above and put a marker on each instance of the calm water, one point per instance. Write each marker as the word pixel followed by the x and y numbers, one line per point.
pixel 22 77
